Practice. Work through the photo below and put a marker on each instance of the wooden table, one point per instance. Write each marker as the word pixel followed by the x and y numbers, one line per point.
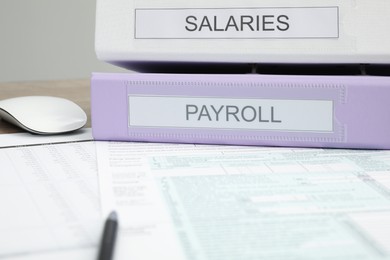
pixel 76 90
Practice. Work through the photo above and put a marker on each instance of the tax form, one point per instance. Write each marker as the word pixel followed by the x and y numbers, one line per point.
pixel 226 202
pixel 49 197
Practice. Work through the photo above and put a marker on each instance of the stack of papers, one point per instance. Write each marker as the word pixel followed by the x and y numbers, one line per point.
pixel 194 201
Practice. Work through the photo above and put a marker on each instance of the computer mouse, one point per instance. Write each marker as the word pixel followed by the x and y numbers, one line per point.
pixel 43 114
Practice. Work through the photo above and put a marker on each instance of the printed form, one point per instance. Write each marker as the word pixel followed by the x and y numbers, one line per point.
pixel 226 202
pixel 49 197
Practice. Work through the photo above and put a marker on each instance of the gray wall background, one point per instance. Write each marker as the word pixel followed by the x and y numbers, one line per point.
pixel 48 40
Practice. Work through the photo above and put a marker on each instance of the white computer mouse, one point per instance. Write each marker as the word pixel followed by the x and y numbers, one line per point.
pixel 43 114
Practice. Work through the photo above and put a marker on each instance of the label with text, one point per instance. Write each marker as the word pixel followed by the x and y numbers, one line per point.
pixel 229 113
pixel 237 23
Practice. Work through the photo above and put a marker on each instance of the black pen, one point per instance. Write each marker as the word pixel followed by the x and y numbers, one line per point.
pixel 108 239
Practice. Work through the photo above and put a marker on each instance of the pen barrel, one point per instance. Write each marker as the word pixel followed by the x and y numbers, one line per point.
pixel 108 240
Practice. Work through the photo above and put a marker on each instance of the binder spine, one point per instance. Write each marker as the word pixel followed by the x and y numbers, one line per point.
pixel 218 32
pixel 305 111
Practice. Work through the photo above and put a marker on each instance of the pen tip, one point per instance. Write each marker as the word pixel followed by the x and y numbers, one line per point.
pixel 113 215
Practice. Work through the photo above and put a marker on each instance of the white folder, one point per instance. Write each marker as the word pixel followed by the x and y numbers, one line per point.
pixel 246 31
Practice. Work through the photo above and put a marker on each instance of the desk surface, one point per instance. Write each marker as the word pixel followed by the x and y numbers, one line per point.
pixel 76 90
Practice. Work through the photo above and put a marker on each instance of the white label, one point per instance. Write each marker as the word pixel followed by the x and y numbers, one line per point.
pixel 225 113
pixel 230 23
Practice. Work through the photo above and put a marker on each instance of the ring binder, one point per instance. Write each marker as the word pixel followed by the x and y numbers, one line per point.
pixel 133 34
pixel 248 109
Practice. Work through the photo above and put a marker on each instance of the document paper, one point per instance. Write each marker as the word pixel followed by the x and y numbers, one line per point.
pixel 225 202
pixel 49 200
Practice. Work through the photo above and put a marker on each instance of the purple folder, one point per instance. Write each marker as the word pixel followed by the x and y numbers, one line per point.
pixel 247 109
